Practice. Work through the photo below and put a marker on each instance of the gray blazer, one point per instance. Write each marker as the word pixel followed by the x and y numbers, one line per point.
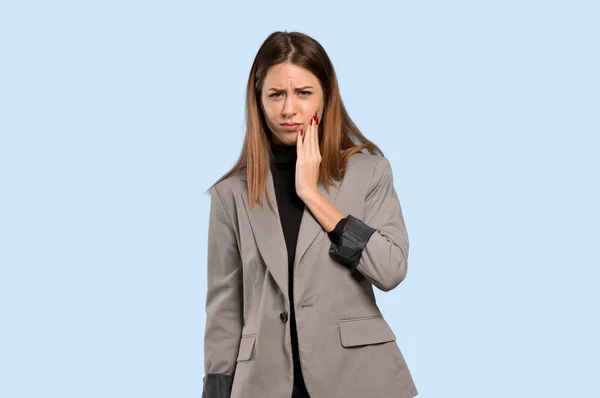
pixel 347 348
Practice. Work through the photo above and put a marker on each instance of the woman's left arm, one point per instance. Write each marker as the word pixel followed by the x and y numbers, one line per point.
pixel 377 246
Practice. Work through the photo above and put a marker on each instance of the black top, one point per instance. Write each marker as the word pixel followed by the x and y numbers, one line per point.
pixel 291 208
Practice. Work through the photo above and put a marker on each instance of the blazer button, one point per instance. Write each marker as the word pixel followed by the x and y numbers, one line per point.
pixel 283 316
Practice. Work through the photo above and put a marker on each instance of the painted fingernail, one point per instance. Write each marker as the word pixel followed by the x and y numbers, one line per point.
pixel 316 119
pixel 301 131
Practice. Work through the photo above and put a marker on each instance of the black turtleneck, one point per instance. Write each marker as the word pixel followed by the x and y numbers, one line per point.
pixel 291 207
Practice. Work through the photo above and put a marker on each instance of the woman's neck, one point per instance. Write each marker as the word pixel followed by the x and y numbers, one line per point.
pixel 283 154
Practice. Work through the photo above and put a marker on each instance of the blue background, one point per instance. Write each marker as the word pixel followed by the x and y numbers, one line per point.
pixel 116 116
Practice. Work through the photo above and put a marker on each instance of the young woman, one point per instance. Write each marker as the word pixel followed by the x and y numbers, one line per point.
pixel 290 307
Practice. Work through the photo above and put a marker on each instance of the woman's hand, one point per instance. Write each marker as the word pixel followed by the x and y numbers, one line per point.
pixel 309 159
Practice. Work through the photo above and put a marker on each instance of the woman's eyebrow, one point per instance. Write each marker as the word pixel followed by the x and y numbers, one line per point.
pixel 299 88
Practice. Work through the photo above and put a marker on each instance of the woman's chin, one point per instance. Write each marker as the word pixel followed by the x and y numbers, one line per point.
pixel 288 138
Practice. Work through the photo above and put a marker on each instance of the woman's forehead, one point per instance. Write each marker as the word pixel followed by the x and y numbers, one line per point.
pixel 282 76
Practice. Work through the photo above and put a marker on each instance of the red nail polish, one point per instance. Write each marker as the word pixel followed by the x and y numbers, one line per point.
pixel 316 119
pixel 301 131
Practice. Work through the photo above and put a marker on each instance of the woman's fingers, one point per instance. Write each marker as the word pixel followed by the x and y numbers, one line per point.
pixel 299 142
pixel 316 138
pixel 311 138
pixel 314 144
pixel 307 144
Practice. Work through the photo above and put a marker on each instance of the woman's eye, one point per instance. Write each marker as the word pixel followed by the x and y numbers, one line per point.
pixel 304 93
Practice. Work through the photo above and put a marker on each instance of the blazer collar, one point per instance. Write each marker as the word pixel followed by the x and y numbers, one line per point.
pixel 268 231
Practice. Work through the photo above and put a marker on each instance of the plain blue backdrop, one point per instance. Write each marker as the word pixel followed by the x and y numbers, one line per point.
pixel 116 116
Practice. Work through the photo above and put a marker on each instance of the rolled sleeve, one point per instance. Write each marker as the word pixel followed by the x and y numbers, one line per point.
pixel 336 234
pixel 348 247
pixel 217 386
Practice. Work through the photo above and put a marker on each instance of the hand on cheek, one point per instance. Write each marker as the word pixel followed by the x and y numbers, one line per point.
pixel 309 158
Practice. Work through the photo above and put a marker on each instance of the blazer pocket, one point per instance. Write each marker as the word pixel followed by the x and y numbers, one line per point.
pixel 365 331
pixel 246 345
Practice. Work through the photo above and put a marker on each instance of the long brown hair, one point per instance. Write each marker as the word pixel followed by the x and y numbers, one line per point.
pixel 341 139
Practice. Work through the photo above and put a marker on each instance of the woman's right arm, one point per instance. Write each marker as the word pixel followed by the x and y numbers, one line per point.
pixel 224 319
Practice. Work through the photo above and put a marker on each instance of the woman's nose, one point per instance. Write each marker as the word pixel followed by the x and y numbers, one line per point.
pixel 289 107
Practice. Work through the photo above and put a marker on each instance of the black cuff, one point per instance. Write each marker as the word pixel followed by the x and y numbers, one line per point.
pixel 217 386
pixel 336 234
pixel 354 238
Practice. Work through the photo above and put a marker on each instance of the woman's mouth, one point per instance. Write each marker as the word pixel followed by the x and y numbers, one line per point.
pixel 290 127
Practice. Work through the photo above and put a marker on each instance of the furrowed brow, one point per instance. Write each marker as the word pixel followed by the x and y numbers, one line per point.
pixel 281 90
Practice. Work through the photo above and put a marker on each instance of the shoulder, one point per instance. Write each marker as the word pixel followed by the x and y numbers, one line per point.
pixel 226 190
pixel 368 166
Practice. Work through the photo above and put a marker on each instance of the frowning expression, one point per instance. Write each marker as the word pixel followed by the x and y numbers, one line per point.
pixel 290 97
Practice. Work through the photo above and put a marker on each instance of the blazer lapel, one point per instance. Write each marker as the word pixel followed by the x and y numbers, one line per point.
pixel 268 231
pixel 268 234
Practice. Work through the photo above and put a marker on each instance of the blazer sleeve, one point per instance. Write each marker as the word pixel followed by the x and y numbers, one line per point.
pixel 223 303
pixel 377 246
pixel 336 234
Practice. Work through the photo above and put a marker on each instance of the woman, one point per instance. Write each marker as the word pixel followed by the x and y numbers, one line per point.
pixel 290 307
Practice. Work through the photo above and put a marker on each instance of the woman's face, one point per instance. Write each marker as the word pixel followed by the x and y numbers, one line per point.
pixel 290 95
